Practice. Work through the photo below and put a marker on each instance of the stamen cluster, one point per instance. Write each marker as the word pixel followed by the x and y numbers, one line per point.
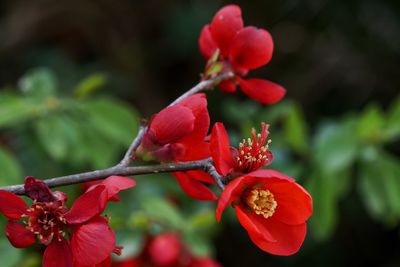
pixel 254 153
pixel 262 202
pixel 47 221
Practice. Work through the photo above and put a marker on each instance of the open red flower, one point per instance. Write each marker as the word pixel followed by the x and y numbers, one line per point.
pixel 76 237
pixel 231 46
pixel 251 154
pixel 272 207
pixel 177 133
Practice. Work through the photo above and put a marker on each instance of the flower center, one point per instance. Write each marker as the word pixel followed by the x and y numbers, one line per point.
pixel 46 220
pixel 254 152
pixel 261 202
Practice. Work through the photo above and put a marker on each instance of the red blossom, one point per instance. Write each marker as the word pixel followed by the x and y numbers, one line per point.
pixel 251 154
pixel 77 237
pixel 272 208
pixel 177 133
pixel 227 43
pixel 166 250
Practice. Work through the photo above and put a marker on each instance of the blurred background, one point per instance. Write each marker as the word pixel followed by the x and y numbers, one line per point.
pixel 77 76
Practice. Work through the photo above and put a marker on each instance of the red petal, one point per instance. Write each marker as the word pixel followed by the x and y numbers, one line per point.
pixel 231 193
pixel 228 86
pixel 93 242
pixel 193 188
pixel 201 176
pixel 88 205
pixel 11 205
pixel 294 203
pixel 251 49
pixel 220 149
pixel 192 151
pixel 37 189
pixel 198 105
pixel 164 250
pixel 270 174
pixel 58 254
pixel 206 42
pixel 171 124
pixel 204 262
pixel 18 235
pixel 114 184
pixel 289 238
pixel 254 224
pixel 225 25
pixel 263 91
pixel 127 263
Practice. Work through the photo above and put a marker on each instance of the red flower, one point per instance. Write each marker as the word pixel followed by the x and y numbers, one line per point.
pixel 165 249
pixel 90 242
pixel 251 155
pixel 203 262
pixel 177 133
pixel 272 207
pixel 233 47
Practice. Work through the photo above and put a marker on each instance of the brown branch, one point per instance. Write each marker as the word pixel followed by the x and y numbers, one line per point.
pixel 204 165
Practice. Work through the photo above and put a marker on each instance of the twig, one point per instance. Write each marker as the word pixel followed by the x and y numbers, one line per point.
pixel 205 165
pixel 132 149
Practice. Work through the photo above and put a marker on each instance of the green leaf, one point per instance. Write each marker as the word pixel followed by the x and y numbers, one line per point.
pixel 201 222
pixel 370 125
pixel 10 253
pixel 198 244
pixel 14 109
pixel 114 119
pixel 379 186
pixel 90 84
pixel 336 145
pixel 162 211
pixel 296 129
pixel 40 82
pixel 11 172
pixel 54 134
pixel 326 190
pixel 392 129
pixel 132 241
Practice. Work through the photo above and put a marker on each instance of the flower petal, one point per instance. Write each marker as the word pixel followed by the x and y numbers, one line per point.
pixel 225 25
pixel 289 238
pixel 171 124
pixel 294 202
pixel 11 205
pixel 251 49
pixel 201 176
pixel 254 224
pixel 93 242
pixel 231 193
pixel 198 105
pixel 228 86
pixel 114 184
pixel 18 235
pixel 58 254
pixel 194 188
pixel 206 42
pixel 263 91
pixel 37 189
pixel 88 205
pixel 220 149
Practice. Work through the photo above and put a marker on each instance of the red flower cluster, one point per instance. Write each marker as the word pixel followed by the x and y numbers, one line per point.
pixel 231 47
pixel 166 250
pixel 177 133
pixel 270 205
pixel 90 242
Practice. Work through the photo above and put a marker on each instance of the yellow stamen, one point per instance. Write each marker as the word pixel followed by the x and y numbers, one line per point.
pixel 262 202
